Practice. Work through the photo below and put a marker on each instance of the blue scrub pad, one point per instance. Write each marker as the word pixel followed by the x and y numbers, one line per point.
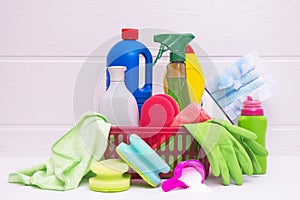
pixel 143 159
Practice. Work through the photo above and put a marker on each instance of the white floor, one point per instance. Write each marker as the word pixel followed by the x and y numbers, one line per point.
pixel 281 181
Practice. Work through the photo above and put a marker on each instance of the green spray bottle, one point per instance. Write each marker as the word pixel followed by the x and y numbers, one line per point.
pixel 176 69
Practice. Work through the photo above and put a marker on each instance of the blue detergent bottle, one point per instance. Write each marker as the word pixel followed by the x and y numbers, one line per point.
pixel 127 53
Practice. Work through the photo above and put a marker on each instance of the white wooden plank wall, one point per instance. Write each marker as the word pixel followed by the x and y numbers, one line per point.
pixel 44 45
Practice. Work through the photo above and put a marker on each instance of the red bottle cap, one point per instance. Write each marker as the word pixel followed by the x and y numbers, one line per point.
pixel 130 34
pixel 252 107
pixel 189 49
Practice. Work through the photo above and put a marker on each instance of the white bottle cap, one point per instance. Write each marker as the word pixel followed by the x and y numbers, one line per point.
pixel 116 73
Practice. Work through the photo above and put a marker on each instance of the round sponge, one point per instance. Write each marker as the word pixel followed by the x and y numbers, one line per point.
pixel 172 101
pixel 110 176
pixel 158 111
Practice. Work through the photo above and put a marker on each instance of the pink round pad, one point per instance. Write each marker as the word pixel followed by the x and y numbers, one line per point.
pixel 157 111
pixel 172 100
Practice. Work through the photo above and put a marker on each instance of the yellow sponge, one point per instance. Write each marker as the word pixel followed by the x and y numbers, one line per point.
pixel 110 176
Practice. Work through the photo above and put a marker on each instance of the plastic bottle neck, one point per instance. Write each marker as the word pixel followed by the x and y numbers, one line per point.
pixel 116 73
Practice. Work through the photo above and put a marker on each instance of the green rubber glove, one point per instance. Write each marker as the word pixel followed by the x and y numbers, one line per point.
pixel 251 146
pixel 225 154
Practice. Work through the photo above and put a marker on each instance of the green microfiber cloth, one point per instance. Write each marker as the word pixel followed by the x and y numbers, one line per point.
pixel 71 157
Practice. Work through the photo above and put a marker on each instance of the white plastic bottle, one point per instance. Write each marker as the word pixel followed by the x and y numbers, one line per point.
pixel 119 105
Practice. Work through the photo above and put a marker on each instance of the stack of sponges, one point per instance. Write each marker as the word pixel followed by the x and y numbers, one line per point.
pixel 162 110
pixel 139 156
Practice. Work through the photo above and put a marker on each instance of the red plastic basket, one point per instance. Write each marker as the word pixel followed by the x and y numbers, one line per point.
pixel 178 145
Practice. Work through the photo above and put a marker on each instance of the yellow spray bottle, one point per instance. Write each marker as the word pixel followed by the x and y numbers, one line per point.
pixel 194 75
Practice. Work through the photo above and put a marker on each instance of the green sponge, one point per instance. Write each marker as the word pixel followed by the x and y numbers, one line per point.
pixel 110 176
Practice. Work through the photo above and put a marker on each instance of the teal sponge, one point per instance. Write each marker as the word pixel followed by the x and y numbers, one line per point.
pixel 143 159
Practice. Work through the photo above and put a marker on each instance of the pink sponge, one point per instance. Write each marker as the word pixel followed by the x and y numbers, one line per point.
pixel 204 116
pixel 193 113
pixel 190 114
pixel 159 111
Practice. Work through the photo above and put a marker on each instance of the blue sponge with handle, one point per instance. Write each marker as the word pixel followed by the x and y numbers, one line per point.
pixel 143 159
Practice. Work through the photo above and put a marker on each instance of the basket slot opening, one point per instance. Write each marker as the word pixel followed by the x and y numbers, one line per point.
pixel 171 143
pixel 179 143
pixel 171 161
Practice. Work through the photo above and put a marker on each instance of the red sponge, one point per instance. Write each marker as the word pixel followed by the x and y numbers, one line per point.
pixel 172 101
pixel 159 111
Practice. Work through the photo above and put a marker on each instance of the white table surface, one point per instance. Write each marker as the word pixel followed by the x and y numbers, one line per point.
pixel 281 181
